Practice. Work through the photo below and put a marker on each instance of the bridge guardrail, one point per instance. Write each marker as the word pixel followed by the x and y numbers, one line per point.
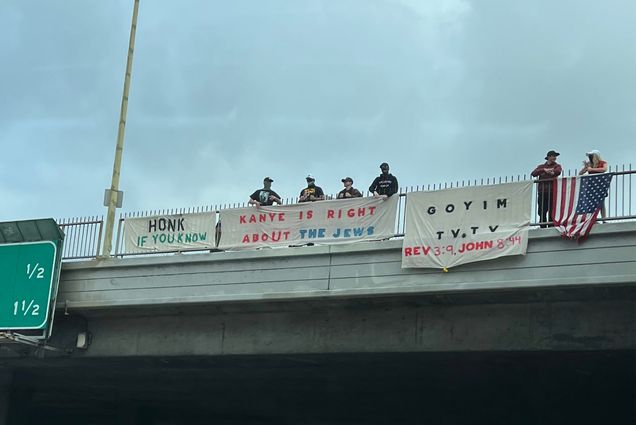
pixel 84 235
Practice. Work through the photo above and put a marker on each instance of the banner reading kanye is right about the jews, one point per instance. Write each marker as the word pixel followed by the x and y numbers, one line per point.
pixel 446 228
pixel 337 221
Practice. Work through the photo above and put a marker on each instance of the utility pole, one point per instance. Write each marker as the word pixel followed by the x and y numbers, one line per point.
pixel 113 194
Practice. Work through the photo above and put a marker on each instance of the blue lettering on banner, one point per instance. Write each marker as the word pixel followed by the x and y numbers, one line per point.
pixel 312 233
pixel 353 232
pixel 339 232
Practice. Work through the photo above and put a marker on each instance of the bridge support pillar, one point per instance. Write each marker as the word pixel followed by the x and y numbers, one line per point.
pixel 6 380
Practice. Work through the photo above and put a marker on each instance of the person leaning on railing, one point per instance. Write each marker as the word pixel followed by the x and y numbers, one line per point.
pixel 349 191
pixel 594 165
pixel 265 196
pixel 546 172
pixel 385 184
pixel 312 192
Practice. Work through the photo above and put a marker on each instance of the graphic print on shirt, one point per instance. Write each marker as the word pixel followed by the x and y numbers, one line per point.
pixel 384 183
pixel 263 196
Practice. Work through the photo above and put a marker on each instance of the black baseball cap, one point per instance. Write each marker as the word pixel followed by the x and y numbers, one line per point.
pixel 267 179
pixel 551 153
pixel 384 164
pixel 347 179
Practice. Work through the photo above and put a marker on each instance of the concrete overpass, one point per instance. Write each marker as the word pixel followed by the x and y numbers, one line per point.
pixel 340 334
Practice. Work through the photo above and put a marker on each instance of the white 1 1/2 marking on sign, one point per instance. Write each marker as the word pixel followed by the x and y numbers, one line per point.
pixel 33 308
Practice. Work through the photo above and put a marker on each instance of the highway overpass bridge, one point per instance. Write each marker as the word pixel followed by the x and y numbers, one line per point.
pixel 338 335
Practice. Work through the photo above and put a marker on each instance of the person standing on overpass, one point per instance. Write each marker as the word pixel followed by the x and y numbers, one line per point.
pixel 265 196
pixel 385 185
pixel 547 173
pixel 349 191
pixel 311 192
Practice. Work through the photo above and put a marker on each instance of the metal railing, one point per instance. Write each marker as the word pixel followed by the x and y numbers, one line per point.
pixel 84 235
pixel 619 202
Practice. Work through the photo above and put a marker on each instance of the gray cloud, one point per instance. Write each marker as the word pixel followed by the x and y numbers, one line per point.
pixel 225 93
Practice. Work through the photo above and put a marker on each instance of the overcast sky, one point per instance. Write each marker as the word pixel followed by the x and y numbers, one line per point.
pixel 225 93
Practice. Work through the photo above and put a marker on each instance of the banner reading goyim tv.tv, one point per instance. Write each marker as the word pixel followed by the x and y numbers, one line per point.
pixel 450 227
pixel 322 222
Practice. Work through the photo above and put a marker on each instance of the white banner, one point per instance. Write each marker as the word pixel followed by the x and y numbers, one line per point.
pixel 322 222
pixel 446 228
pixel 169 232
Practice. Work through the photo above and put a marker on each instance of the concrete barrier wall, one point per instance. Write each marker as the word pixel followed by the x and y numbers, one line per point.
pixel 356 271
pixel 345 299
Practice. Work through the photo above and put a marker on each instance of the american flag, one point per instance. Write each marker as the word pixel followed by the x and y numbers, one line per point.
pixel 578 201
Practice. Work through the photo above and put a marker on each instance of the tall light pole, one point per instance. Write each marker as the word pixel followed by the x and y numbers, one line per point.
pixel 112 195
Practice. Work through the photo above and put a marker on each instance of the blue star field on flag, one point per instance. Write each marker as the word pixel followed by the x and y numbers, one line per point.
pixel 592 193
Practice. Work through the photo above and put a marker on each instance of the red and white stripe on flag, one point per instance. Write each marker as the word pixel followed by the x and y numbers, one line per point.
pixel 567 221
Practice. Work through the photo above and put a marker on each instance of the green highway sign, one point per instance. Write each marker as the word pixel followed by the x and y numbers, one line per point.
pixel 27 277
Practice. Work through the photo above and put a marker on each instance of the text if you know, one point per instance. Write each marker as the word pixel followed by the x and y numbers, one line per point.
pixel 170 232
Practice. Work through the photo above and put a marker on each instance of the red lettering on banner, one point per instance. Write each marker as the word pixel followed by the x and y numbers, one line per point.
pixel 351 212
pixel 275 236
pixel 262 218
pixel 476 246
pixel 308 214
pixel 416 250
pixel 464 247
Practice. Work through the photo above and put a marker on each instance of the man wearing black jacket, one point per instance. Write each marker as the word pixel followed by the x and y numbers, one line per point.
pixel 385 184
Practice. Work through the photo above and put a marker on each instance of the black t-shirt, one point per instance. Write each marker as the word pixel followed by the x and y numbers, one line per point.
pixel 384 185
pixel 262 196
pixel 311 190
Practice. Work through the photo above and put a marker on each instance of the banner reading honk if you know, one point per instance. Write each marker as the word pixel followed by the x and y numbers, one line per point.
pixel 450 227
pixel 322 222
pixel 170 232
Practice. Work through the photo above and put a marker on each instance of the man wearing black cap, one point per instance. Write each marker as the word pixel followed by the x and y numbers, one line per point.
pixel 349 191
pixel 385 184
pixel 265 196
pixel 547 173
pixel 311 192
